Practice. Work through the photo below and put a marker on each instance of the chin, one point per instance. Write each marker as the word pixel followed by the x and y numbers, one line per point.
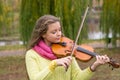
pixel 56 41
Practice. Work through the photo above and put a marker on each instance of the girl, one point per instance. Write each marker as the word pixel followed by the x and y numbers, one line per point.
pixel 42 64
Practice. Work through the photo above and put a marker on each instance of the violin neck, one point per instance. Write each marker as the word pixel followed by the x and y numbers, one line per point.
pixel 86 51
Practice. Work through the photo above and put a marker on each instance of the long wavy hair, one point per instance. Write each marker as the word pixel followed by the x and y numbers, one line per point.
pixel 41 28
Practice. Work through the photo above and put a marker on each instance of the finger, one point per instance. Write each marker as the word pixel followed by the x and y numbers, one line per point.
pixel 64 65
pixel 107 59
pixel 103 58
pixel 100 59
pixel 70 58
pixel 67 61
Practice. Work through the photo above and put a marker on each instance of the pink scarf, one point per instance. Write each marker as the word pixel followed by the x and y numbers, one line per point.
pixel 45 51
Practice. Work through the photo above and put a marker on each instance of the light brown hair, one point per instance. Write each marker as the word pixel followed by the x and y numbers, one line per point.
pixel 41 28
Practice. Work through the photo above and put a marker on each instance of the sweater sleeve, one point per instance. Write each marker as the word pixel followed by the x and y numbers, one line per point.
pixel 78 74
pixel 33 69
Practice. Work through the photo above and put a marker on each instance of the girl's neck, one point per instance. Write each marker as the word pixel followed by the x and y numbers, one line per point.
pixel 47 43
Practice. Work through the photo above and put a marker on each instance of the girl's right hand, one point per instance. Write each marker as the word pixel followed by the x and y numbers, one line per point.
pixel 66 61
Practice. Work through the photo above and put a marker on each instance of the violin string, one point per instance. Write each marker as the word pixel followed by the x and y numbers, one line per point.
pixel 80 28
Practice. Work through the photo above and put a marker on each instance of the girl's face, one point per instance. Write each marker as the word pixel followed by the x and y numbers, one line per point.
pixel 53 33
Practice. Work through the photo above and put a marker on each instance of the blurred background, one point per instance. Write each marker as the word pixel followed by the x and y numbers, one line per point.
pixel 101 30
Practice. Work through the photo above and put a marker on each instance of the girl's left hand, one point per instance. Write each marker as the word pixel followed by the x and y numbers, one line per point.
pixel 99 61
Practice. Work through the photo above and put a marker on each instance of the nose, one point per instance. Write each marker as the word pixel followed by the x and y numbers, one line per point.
pixel 59 33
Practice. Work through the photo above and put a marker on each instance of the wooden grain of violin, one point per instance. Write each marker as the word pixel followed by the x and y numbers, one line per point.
pixel 81 52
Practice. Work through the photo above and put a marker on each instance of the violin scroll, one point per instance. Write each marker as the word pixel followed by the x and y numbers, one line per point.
pixel 113 63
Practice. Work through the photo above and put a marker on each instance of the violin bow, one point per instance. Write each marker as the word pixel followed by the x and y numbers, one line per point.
pixel 80 28
pixel 112 62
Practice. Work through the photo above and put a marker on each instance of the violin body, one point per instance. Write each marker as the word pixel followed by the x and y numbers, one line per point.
pixel 82 52
pixel 64 48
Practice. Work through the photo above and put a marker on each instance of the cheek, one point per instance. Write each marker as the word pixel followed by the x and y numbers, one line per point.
pixel 50 38
pixel 53 39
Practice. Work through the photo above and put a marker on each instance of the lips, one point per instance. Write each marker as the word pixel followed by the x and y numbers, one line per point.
pixel 57 38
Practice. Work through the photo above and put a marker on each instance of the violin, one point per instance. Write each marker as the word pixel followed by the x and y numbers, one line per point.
pixel 82 52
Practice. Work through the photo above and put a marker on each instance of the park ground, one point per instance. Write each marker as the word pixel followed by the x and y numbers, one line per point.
pixel 12 64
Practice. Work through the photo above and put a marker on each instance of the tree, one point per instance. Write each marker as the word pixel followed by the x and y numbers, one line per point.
pixel 110 18
pixel 8 18
pixel 1 12
pixel 69 11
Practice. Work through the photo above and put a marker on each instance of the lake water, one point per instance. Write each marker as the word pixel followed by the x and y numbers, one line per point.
pixel 3 43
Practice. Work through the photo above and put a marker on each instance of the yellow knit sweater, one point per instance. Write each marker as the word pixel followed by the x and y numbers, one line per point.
pixel 39 68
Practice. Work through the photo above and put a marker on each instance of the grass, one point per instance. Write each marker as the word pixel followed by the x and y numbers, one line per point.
pixel 13 67
pixel 105 72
